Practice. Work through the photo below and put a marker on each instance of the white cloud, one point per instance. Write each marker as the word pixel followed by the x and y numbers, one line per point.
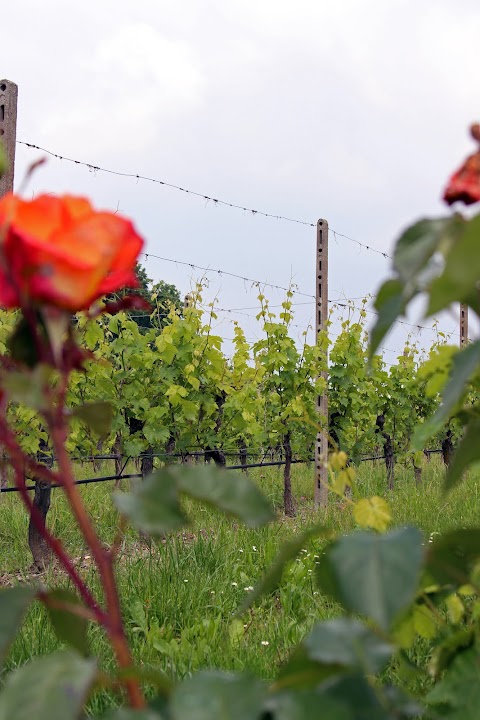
pixel 133 87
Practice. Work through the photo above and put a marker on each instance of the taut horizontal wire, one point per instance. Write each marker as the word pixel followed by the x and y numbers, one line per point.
pixel 204 196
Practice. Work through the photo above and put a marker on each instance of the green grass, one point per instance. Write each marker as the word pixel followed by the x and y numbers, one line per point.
pixel 179 595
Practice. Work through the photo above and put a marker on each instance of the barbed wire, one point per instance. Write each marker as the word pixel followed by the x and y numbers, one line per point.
pixel 218 201
pixel 204 196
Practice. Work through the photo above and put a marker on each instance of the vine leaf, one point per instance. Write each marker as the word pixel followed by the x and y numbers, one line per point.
pixel 464 365
pixel 52 687
pixel 374 575
pixel 372 513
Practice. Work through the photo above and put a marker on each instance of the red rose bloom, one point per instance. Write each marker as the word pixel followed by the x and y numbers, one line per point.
pixel 59 251
pixel 464 185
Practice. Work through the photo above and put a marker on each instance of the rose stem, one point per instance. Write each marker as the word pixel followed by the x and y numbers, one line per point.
pixel 103 558
pixel 18 458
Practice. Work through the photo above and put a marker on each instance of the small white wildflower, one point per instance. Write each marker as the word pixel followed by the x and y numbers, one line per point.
pixel 235 584
pixel 212 592
pixel 315 592
pixel 249 588
pixel 254 548
pixel 265 642
pixel 240 550
pixel 185 581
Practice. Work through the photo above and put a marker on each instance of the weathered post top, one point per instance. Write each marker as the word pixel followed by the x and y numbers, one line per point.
pixel 8 130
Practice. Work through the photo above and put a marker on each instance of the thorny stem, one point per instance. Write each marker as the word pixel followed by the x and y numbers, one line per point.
pixel 113 622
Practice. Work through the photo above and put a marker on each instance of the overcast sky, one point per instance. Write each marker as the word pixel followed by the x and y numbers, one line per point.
pixel 352 111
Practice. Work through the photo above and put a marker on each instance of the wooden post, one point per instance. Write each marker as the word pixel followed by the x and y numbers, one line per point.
pixel 8 122
pixel 8 131
pixel 463 325
pixel 321 320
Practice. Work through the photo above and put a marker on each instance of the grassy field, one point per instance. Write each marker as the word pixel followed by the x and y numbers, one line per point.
pixel 179 595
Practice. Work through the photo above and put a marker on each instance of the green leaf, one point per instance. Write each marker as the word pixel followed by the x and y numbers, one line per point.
pixel 372 512
pixel 374 575
pixel 215 695
pixel 234 493
pixel 424 622
pixel 129 714
pixel 389 304
pixel 271 579
pixel 153 505
pixel 69 628
pixel 96 415
pixel 305 704
pixel 451 557
pixel 13 606
pixel 21 344
pixel 459 279
pixel 94 334
pixel 459 688
pixel 417 244
pixel 464 365
pixel 347 643
pixel 354 693
pixel 447 649
pixel 52 687
pixel 466 453
pixel 26 387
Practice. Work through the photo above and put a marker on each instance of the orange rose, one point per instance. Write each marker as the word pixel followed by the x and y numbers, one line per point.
pixel 464 185
pixel 59 251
